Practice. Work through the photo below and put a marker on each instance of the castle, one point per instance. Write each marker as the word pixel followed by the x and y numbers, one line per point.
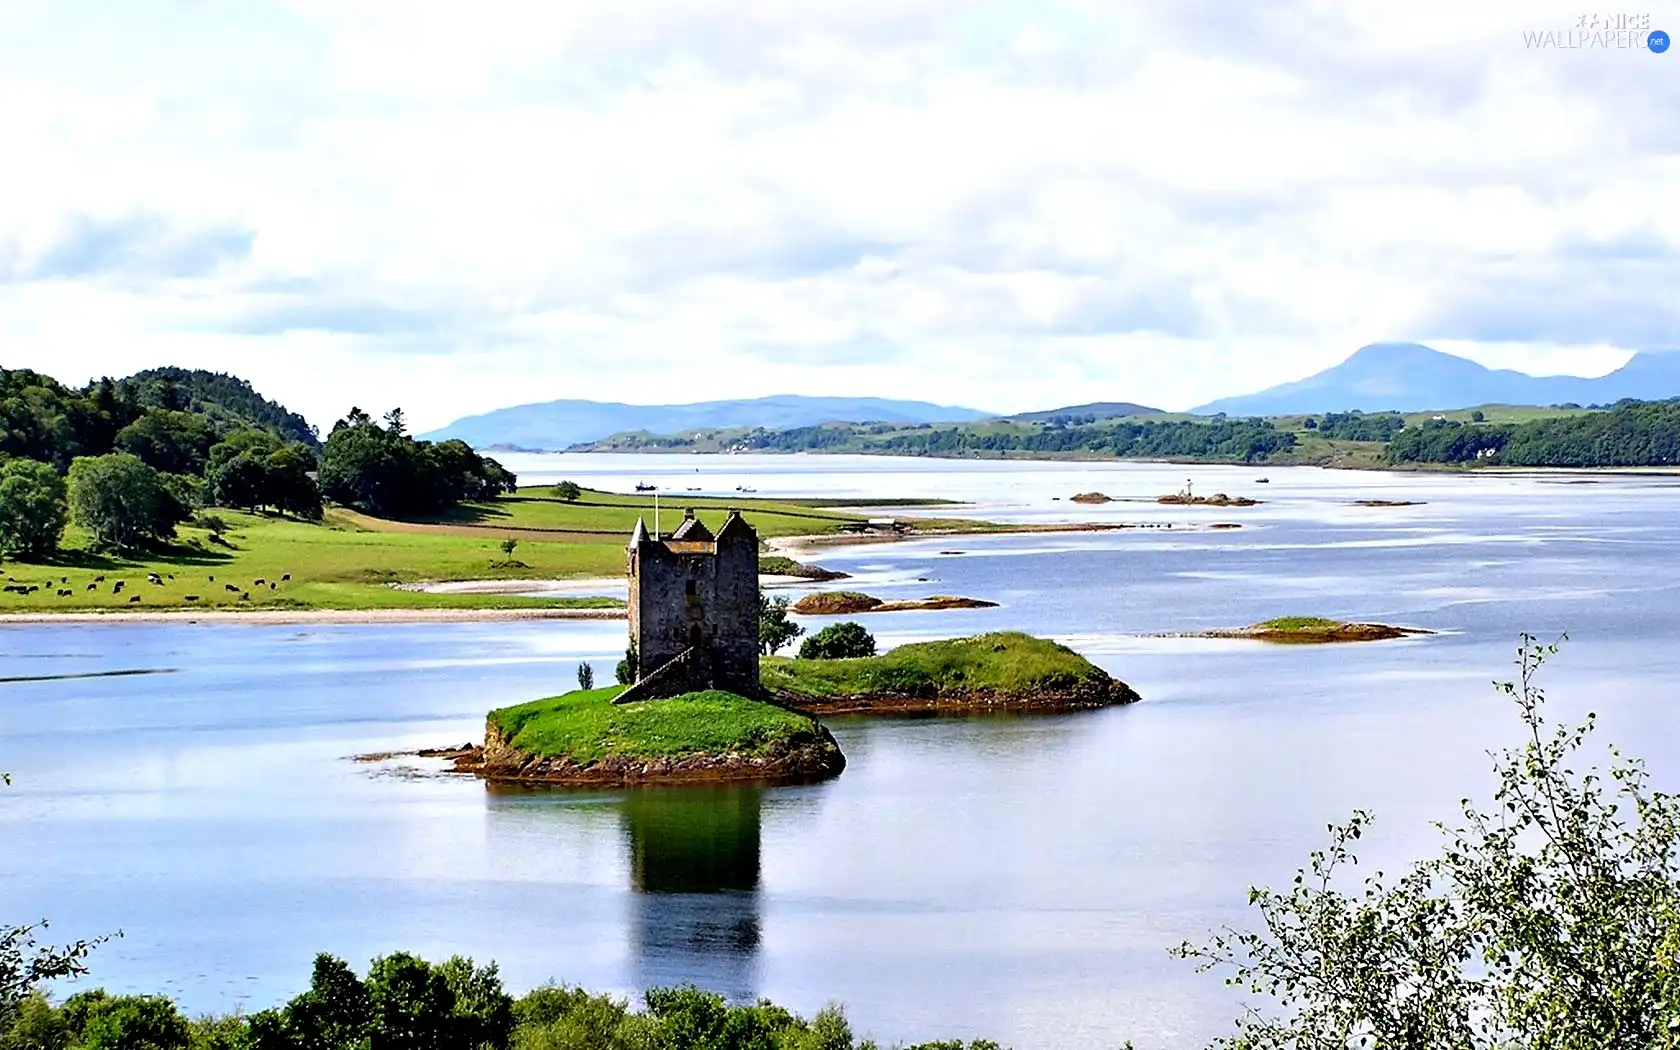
pixel 694 609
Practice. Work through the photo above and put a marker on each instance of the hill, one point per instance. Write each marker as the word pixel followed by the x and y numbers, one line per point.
pixel 562 424
pixel 1088 413
pixel 227 401
pixel 1408 377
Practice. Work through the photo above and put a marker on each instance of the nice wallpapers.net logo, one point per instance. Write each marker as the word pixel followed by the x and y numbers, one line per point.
pixel 1620 31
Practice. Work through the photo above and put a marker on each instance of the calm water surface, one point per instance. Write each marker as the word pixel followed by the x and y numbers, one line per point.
pixel 1018 878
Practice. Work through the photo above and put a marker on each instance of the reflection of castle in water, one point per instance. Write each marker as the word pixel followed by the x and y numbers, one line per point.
pixel 694 870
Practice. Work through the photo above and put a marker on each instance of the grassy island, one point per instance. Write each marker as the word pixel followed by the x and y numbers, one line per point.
pixel 989 672
pixel 583 738
pixel 1311 630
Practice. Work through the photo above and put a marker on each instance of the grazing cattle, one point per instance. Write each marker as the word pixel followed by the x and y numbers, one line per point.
pixel 134 599
pixel 258 583
pixel 65 594
pixel 33 588
pixel 192 597
pixel 116 588
pixel 212 579
pixel 99 579
pixel 172 576
pixel 286 577
pixel 245 597
pixel 93 586
pixel 64 579
pixel 272 586
pixel 230 587
pixel 152 577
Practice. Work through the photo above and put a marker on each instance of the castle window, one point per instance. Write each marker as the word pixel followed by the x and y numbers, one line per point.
pixel 688 586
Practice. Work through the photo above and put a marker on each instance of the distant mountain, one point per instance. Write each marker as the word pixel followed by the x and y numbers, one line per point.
pixel 1096 409
pixel 1411 378
pixel 561 424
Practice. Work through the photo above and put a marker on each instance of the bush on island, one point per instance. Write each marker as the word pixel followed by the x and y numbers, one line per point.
pixel 838 641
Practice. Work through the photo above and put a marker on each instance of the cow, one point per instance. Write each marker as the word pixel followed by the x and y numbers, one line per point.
pixel 230 587
pixel 134 599
pixel 192 597
pixel 286 577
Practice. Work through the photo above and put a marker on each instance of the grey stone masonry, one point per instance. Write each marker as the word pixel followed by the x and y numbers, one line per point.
pixel 693 590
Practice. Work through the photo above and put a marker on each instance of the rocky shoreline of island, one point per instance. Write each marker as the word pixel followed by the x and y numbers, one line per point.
pixel 812 758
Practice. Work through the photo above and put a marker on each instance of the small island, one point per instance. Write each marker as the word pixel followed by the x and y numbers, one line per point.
pixel 1092 497
pixel 697 703
pixel 845 603
pixel 1389 502
pixel 584 739
pixel 1003 671
pixel 1313 630
pixel 1218 499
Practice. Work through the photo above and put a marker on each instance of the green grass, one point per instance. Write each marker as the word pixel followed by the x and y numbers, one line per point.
pixel 1298 623
pixel 587 726
pixel 1006 661
pixel 351 561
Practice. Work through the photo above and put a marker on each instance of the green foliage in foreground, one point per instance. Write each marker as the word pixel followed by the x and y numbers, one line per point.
pixel 587 726
pixel 1549 920
pixel 1006 661
pixel 406 1003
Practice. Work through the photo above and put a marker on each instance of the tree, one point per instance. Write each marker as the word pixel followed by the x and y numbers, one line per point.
pixel 169 441
pixel 625 672
pixel 1551 919
pixel 410 1003
pixel 98 1021
pixel 33 509
pixel 568 491
pixel 1478 416
pixel 122 502
pixel 586 676
pixel 25 965
pixel 509 545
pixel 775 630
pixel 838 641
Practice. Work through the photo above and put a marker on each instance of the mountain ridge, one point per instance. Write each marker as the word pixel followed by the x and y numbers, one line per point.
pixel 1412 377
pixel 552 425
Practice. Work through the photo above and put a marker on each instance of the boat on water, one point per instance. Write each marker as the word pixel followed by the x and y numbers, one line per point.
pixel 1262 481
pixel 644 487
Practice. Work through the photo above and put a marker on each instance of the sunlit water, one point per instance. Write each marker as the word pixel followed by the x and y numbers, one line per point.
pixel 1018 878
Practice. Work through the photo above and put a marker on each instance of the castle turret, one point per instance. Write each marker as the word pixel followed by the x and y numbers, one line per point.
pixel 694 596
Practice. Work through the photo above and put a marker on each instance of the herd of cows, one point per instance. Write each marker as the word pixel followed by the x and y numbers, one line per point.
pixel 13 586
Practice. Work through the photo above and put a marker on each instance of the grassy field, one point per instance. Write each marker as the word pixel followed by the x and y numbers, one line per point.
pixel 351 561
pixel 588 727
pixel 1003 662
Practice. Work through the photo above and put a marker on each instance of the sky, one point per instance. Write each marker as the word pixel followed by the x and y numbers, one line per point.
pixel 456 207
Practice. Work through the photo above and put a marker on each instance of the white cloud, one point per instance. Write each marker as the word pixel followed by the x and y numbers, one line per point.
pixel 456 208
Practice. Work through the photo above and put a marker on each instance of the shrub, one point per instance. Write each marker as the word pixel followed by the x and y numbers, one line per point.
pixel 838 641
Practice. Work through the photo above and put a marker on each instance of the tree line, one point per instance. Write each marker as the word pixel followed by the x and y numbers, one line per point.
pixel 129 460
pixel 1632 434
pixel 1224 440
pixel 407 1003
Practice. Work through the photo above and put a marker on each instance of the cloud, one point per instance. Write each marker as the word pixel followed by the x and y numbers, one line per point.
pixel 1014 205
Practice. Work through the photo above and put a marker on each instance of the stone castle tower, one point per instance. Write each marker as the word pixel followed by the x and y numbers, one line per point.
pixel 694 609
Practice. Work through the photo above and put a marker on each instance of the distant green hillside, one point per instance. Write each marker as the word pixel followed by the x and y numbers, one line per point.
pixel 1629 434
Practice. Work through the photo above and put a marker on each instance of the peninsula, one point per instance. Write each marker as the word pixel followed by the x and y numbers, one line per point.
pixel 1002 671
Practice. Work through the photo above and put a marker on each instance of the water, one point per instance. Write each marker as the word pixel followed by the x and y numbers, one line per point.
pixel 1017 878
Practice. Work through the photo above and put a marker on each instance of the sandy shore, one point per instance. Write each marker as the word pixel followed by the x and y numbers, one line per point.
pixel 789 545
pixel 302 616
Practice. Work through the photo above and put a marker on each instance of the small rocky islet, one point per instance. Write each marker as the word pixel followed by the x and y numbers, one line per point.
pixel 1312 630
